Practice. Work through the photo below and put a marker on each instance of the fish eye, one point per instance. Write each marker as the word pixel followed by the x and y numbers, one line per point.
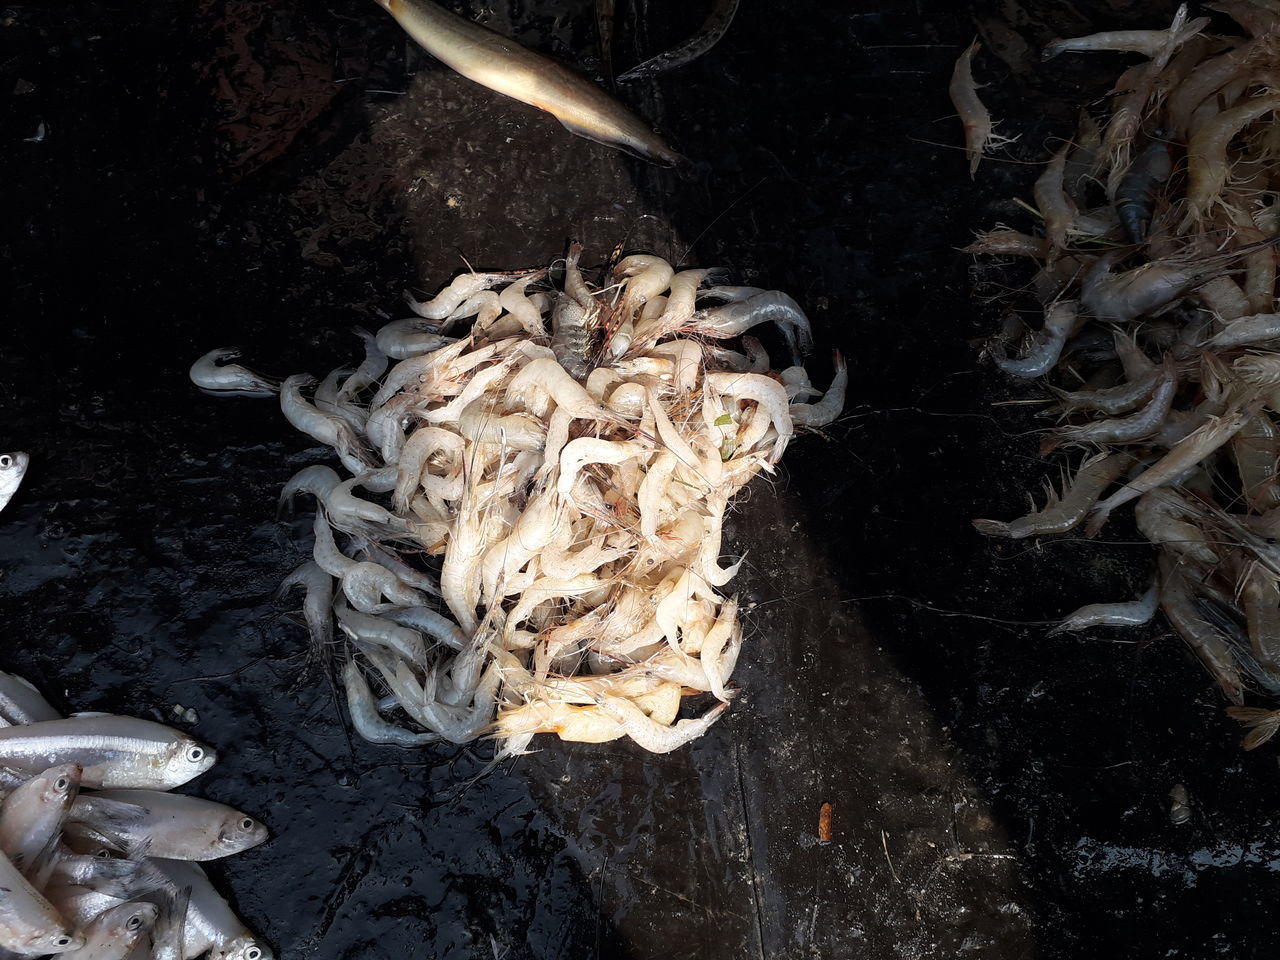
pixel 246 824
pixel 134 922
pixel 103 854
pixel 253 953
pixel 62 941
pixel 61 784
pixel 6 461
pixel 195 754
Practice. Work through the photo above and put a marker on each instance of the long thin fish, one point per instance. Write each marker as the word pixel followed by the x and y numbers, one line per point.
pixel 708 35
pixel 500 64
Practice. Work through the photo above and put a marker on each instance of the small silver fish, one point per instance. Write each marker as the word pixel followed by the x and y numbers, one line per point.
pixel 21 703
pixel 113 934
pixel 28 922
pixel 168 825
pixel 13 467
pixel 113 751
pixel 32 814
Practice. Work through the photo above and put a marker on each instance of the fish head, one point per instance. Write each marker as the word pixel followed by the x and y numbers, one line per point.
pixel 238 833
pixel 59 785
pixel 128 921
pixel 245 947
pixel 54 941
pixel 13 466
pixel 185 760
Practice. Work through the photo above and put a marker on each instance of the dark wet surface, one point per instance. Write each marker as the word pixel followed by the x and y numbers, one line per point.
pixel 269 174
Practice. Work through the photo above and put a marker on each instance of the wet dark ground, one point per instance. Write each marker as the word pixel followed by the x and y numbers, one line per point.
pixel 270 174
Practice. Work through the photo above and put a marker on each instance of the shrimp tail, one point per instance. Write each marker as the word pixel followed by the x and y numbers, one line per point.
pixel 1261 725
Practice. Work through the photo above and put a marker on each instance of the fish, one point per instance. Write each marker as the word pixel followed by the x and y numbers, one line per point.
pixel 28 922
pixel 506 67
pixel 113 752
pixel 13 467
pixel 168 825
pixel 31 815
pixel 210 924
pixel 21 703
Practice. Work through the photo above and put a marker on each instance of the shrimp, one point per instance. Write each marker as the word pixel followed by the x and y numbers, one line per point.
pixel 212 373
pixel 1133 428
pixel 1246 331
pixel 517 303
pixel 824 411
pixel 1061 514
pixel 546 377
pixel 367 629
pixel 405 339
pixel 1136 194
pixel 653 736
pixel 578 453
pixel 326 400
pixel 1128 613
pixel 769 396
pixel 1057 209
pixel 1256 449
pixel 1156 44
pixel 461 289
pixel 1004 242
pixel 350 514
pixel 1061 321
pixel 735 318
pixel 1183 456
pixel 979 136
pixel 365 718
pixel 1208 77
pixel 317 604
pixel 1121 297
pixel 328 429
pixel 707 36
pixel 1162 517
pixel 1207 154
pixel 425 444
pixel 365 584
pixel 370 370
pixel 316 480
pixel 571 337
pixel 515 431
pixel 1214 650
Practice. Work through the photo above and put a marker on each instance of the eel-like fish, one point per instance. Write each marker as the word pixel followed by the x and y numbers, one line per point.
pixel 503 65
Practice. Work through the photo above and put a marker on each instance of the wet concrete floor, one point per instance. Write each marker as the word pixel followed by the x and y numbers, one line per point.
pixel 270 174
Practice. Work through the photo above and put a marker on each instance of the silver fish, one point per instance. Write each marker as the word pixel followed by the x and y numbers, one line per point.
pixel 113 751
pixel 13 467
pixel 28 922
pixel 21 703
pixel 168 824
pixel 210 924
pixel 113 934
pixel 31 816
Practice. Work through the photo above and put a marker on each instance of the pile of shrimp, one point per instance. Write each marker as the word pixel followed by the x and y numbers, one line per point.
pixel 545 557
pixel 1155 273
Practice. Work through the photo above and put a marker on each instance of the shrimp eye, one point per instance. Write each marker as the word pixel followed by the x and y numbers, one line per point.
pixel 195 754
pixel 246 824
pixel 6 461
pixel 134 922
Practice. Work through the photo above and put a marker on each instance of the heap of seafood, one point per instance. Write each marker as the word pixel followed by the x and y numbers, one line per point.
pixel 553 485
pixel 1154 271
pixel 97 859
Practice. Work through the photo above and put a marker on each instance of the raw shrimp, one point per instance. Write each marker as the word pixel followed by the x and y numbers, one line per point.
pixel 1057 209
pixel 1207 154
pixel 1155 44
pixel 571 337
pixel 824 411
pixel 365 718
pixel 979 137
pixel 1136 194
pixel 1061 514
pixel 1142 424
pixel 462 288
pixel 733 319
pixel 1184 455
pixel 328 429
pixel 1061 321
pixel 212 373
pixel 405 339
pixel 653 736
pixel 1129 613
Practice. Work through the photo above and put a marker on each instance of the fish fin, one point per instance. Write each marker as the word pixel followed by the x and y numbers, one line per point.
pixel 104 814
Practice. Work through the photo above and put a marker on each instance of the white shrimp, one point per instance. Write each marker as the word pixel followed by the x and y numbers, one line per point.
pixel 652 736
pixel 768 394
